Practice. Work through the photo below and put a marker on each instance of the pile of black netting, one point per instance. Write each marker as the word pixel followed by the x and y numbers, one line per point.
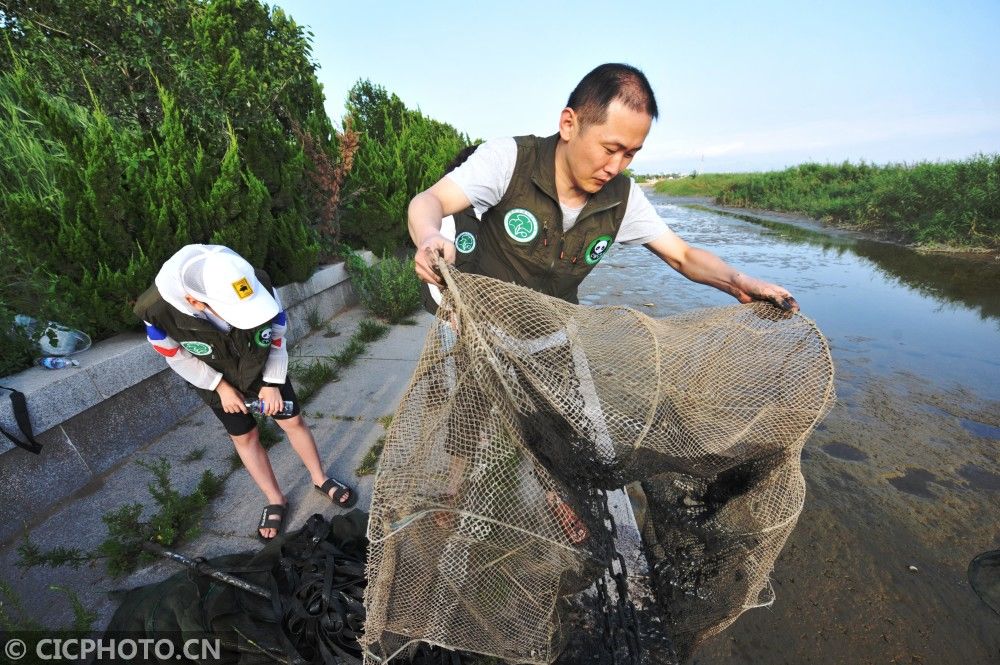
pixel 315 579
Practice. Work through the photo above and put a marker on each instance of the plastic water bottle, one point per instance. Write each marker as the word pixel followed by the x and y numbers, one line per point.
pixel 253 405
pixel 55 362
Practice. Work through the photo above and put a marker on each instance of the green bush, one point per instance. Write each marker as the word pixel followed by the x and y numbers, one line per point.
pixel 192 126
pixel 957 203
pixel 23 288
pixel 389 289
pixel 401 153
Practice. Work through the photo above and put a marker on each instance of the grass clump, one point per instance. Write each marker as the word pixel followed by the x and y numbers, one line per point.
pixel 312 376
pixel 83 619
pixel 371 331
pixel 389 289
pixel 313 319
pixel 369 463
pixel 707 184
pixel 355 347
pixel 195 455
pixel 177 518
pixel 269 433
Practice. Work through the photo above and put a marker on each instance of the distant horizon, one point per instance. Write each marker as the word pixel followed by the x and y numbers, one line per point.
pixel 822 163
pixel 740 88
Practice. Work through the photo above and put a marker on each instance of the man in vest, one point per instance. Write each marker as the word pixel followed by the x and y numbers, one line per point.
pixel 219 324
pixel 550 207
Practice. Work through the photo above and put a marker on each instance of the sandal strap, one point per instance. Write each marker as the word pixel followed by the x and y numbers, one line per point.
pixel 331 483
pixel 341 491
pixel 270 511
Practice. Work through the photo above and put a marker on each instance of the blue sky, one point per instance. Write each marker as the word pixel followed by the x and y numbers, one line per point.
pixel 741 86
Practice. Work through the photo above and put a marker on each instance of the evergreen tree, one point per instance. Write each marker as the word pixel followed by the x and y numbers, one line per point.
pixel 401 152
pixel 240 207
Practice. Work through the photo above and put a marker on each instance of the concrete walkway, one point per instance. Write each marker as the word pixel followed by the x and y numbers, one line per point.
pixel 344 420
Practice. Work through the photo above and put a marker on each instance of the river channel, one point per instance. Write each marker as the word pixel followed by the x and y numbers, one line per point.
pixel 903 476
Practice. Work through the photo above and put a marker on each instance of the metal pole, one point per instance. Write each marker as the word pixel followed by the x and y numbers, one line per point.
pixel 206 569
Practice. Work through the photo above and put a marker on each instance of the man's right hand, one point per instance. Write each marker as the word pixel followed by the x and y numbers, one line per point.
pixel 232 399
pixel 426 258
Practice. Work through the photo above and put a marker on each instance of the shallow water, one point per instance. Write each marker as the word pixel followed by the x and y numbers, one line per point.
pixel 935 316
pixel 903 476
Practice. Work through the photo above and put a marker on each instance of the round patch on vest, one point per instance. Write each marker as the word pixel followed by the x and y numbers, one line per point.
pixel 263 337
pixel 520 225
pixel 596 249
pixel 465 242
pixel 197 348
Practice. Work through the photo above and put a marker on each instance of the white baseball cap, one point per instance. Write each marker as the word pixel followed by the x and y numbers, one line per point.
pixel 225 281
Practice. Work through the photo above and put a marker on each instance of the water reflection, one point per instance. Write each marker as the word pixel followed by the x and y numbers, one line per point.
pixel 973 281
pixel 885 309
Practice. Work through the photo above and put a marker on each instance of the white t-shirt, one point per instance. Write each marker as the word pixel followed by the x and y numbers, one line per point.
pixel 485 176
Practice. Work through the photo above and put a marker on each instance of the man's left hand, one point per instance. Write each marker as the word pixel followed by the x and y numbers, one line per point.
pixel 270 400
pixel 748 289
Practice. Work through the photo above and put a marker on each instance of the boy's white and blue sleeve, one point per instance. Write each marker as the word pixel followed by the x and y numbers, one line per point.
pixel 190 367
pixel 276 365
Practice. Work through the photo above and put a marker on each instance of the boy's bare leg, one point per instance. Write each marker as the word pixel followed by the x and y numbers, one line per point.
pixel 255 460
pixel 302 441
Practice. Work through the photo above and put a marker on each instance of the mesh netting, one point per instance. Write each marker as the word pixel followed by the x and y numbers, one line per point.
pixel 193 277
pixel 485 508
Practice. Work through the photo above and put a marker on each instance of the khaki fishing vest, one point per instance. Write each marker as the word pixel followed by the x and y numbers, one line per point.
pixel 521 238
pixel 239 354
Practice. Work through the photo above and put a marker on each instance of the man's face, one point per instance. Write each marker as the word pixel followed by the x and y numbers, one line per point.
pixel 597 153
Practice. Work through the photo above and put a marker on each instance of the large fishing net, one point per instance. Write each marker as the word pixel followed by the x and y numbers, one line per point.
pixel 486 511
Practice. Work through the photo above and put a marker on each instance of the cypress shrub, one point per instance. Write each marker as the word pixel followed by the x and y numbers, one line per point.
pixel 401 152
pixel 181 131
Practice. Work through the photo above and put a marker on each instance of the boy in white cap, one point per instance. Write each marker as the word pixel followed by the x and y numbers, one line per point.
pixel 219 324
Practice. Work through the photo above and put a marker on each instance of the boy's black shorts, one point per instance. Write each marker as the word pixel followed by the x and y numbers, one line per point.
pixel 238 424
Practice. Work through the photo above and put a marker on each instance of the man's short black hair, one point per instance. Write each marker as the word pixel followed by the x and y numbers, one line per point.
pixel 614 80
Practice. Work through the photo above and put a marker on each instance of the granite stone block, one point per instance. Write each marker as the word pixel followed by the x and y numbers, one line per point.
pixel 32 484
pixel 114 429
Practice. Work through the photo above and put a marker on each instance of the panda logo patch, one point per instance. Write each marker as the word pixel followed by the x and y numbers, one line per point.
pixel 263 337
pixel 596 249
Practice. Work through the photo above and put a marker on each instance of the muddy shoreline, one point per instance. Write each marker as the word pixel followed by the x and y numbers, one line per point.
pixel 875 571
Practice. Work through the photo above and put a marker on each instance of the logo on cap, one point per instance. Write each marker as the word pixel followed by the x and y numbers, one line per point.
pixel 242 288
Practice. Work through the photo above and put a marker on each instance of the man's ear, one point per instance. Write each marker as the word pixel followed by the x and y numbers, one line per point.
pixel 194 302
pixel 569 124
